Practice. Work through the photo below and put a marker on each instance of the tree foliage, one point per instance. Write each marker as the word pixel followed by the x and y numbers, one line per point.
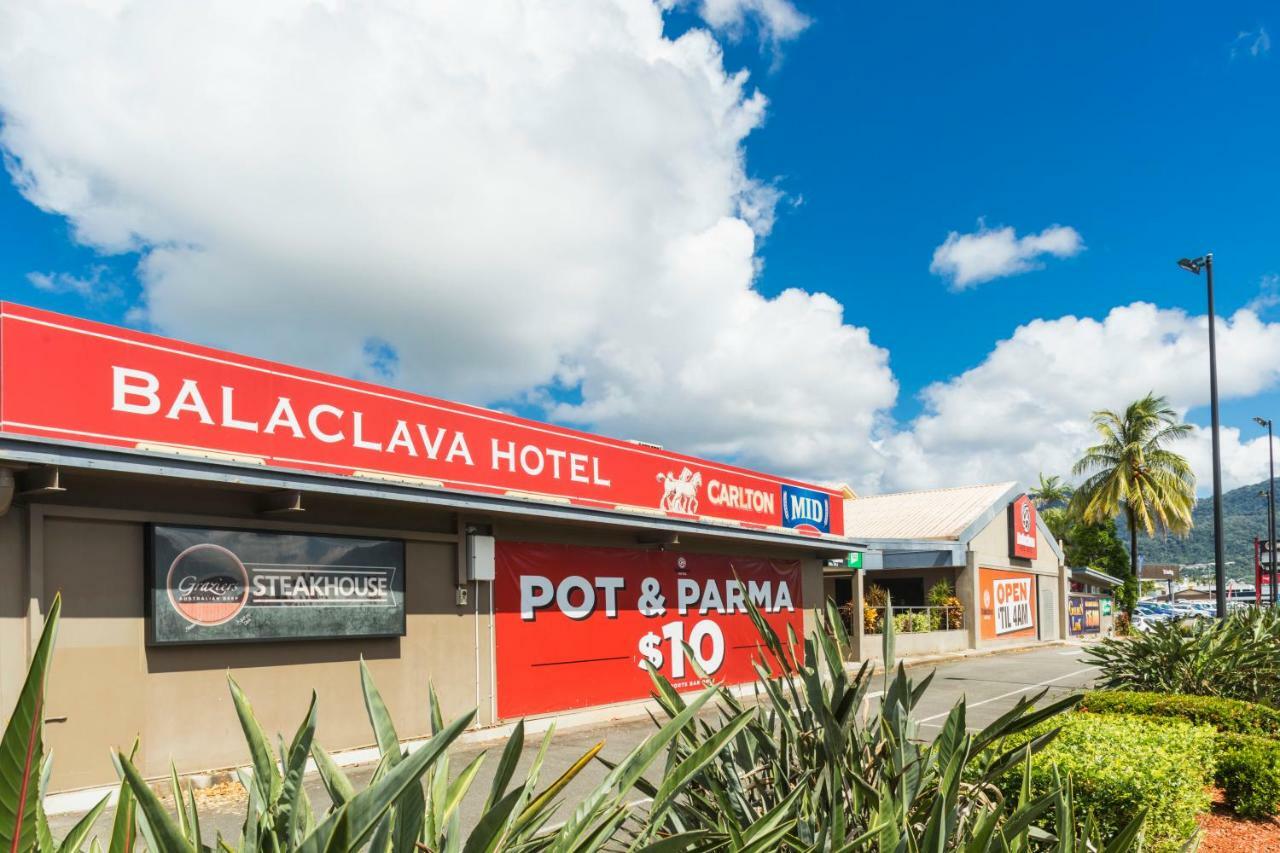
pixel 1098 546
pixel 1132 473
pixel 1050 492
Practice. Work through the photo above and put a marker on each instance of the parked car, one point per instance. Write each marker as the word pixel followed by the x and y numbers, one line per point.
pixel 1139 623
pixel 1155 611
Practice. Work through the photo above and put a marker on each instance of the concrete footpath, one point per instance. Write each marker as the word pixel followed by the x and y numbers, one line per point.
pixel 990 683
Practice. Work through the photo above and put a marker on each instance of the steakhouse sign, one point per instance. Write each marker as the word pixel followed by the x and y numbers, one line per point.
pixel 70 379
pixel 581 626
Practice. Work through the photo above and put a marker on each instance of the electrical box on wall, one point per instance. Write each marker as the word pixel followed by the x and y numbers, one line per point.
pixel 480 557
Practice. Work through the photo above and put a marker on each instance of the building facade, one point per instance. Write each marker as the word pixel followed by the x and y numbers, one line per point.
pixel 205 515
pixel 987 542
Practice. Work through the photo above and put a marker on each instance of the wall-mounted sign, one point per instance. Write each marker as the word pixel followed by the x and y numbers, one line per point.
pixel 853 560
pixel 1084 615
pixel 577 627
pixel 1008 604
pixel 1022 528
pixel 808 510
pixel 75 380
pixel 214 585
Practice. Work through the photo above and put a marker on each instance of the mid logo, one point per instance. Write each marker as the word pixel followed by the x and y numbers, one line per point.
pixel 806 509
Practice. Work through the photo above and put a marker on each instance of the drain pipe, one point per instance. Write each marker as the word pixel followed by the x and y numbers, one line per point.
pixel 7 487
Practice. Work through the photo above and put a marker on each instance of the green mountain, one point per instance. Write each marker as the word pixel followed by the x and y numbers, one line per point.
pixel 1244 516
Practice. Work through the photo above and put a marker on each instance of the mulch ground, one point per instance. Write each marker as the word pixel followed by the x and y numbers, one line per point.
pixel 1224 832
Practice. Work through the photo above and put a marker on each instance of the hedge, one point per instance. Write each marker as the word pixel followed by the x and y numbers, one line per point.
pixel 1122 764
pixel 1225 715
pixel 1247 759
pixel 1248 772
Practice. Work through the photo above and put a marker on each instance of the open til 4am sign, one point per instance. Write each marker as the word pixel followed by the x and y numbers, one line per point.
pixel 1008 604
pixel 578 626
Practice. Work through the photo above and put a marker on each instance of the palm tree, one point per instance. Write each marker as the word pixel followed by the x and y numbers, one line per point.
pixel 1051 491
pixel 1132 472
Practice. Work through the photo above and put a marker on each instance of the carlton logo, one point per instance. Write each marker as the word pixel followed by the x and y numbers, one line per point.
pixel 208 585
pixel 806 509
pixel 680 494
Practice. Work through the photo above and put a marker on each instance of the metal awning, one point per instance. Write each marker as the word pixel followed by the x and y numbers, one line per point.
pixel 71 455
pixel 1087 574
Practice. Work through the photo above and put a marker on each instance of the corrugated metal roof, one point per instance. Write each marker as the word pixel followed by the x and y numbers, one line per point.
pixel 933 514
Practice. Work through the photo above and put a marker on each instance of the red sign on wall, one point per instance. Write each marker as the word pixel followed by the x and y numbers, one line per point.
pixel 75 380
pixel 1022 528
pixel 577 627
pixel 1008 604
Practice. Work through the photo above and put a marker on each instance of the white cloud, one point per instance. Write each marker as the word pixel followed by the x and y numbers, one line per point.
pixel 97 286
pixel 1026 407
pixel 531 203
pixel 484 201
pixel 988 253
pixel 778 20
pixel 1268 295
pixel 1253 42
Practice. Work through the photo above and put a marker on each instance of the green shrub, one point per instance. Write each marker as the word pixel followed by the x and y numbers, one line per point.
pixel 950 615
pixel 939 593
pixel 1122 764
pixel 1225 715
pixel 912 623
pixel 1247 759
pixel 1248 772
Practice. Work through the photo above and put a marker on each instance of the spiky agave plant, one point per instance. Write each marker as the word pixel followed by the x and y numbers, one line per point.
pixel 807 766
pixel 810 767
pixel 1237 657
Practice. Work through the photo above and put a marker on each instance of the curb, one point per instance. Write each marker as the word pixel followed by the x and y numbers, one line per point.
pixel 926 660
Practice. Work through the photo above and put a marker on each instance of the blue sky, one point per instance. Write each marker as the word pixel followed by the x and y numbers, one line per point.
pixel 1149 128
pixel 1133 123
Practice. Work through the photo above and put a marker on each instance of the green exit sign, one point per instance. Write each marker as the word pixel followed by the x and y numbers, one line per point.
pixel 853 560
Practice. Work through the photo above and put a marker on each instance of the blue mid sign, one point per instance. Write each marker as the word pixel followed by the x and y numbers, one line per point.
pixel 806 509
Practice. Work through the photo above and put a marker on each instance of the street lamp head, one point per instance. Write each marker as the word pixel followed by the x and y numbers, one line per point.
pixel 1262 422
pixel 1192 265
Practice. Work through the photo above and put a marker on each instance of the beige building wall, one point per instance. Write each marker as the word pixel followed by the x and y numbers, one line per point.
pixel 108 687
pixel 13 606
pixel 990 550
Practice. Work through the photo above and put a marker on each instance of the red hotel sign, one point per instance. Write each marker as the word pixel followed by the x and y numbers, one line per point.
pixel 74 380
pixel 577 626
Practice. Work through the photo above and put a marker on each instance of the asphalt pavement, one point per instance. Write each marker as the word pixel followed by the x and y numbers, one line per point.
pixel 990 685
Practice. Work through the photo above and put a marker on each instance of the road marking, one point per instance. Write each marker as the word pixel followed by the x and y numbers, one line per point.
pixel 1029 687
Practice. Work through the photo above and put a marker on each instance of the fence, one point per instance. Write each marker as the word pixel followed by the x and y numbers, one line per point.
pixel 914 620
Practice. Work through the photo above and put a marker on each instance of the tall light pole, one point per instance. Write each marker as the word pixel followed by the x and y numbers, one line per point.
pixel 1271 503
pixel 1219 567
